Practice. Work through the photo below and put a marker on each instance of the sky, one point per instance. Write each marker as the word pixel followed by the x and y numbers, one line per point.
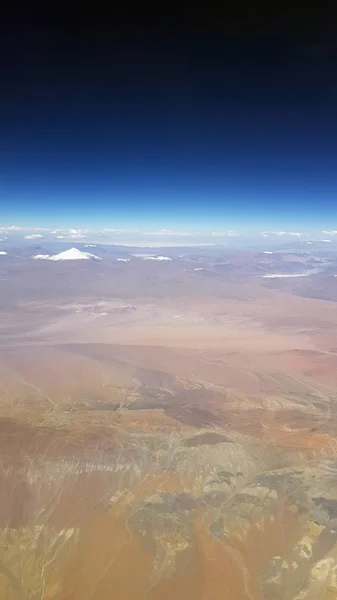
pixel 189 120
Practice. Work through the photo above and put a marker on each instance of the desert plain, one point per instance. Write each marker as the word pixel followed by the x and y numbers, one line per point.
pixel 168 428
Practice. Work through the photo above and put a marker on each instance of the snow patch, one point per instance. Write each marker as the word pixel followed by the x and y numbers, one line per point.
pixel 157 258
pixel 284 275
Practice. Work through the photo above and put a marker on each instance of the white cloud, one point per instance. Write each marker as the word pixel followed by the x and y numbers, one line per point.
pixel 20 228
pixel 283 233
pixel 75 232
pixel 34 236
pixel 225 233
pixel 10 228
pixel 69 233
pixel 171 233
pixel 116 230
pixel 123 259
pixel 170 244
pixel 330 231
pixel 167 232
pixel 2 253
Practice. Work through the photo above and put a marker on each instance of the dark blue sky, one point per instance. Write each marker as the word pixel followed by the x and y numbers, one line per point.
pixel 198 118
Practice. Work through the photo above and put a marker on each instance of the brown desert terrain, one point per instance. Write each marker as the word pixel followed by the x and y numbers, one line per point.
pixel 169 429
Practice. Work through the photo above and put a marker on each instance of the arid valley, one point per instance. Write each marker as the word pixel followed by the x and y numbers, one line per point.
pixel 169 427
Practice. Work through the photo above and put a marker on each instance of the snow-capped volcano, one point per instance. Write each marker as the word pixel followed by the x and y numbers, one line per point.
pixel 71 254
